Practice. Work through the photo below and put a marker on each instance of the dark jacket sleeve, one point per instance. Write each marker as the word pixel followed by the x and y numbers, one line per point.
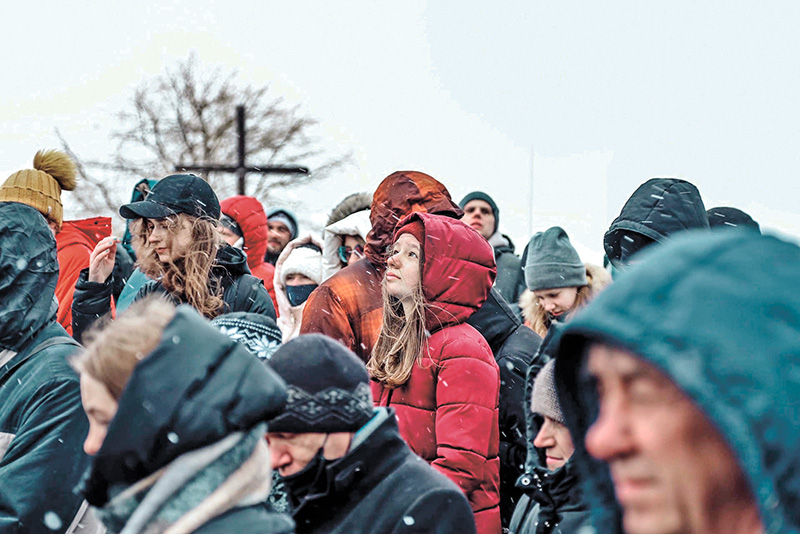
pixel 90 301
pixel 439 512
pixel 250 295
pixel 44 462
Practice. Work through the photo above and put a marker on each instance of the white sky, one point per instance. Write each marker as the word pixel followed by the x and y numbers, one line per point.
pixel 589 98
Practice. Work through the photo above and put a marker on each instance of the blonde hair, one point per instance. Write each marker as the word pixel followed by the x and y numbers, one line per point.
pixel 400 341
pixel 189 278
pixel 114 348
pixel 540 320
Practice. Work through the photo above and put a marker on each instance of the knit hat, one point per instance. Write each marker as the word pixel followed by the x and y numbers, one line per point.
pixel 328 387
pixel 480 195
pixel 41 187
pixel 415 228
pixel 304 260
pixel 257 332
pixel 286 217
pixel 552 262
pixel 544 400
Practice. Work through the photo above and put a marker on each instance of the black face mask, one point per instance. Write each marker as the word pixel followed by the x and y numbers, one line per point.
pixel 309 479
pixel 299 294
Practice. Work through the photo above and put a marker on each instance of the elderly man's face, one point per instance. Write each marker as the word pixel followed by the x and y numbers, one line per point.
pixel 673 472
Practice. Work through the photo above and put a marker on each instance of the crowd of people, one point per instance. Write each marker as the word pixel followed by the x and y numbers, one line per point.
pixel 217 369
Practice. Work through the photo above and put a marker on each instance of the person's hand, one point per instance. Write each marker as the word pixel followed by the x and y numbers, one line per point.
pixel 102 258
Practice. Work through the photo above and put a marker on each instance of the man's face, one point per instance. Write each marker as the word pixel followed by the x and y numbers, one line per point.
pixel 673 472
pixel 277 237
pixel 479 215
pixel 292 452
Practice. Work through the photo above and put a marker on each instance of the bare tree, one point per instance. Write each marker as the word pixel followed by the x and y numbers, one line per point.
pixel 187 116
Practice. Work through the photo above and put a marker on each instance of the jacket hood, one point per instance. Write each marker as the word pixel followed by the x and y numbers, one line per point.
pixel 349 205
pixel 233 260
pixel 87 232
pixel 495 320
pixel 28 274
pixel 399 194
pixel 249 215
pixel 458 269
pixel 195 388
pixel 719 315
pixel 657 209
pixel 289 322
pixel 355 224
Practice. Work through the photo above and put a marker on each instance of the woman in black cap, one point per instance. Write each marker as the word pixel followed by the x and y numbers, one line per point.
pixel 179 248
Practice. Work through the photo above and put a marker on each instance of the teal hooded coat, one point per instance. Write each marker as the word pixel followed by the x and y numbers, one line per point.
pixel 720 315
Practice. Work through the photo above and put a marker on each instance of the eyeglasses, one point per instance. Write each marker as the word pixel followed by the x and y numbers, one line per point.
pixel 345 252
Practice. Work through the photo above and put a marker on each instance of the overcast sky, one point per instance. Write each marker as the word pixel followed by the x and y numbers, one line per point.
pixel 584 100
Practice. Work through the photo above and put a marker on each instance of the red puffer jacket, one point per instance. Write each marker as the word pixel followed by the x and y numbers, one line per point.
pixel 249 215
pixel 448 409
pixel 75 243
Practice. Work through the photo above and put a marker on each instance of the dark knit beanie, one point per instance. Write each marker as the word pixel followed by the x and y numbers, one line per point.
pixel 415 228
pixel 724 217
pixel 328 387
pixel 552 262
pixel 545 400
pixel 257 332
pixel 480 195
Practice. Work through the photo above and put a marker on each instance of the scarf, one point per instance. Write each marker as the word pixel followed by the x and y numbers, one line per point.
pixel 194 488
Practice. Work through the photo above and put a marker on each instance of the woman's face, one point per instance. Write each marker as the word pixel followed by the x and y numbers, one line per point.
pixel 554 439
pixel 557 301
pixel 170 237
pixel 100 408
pixel 355 247
pixel 403 267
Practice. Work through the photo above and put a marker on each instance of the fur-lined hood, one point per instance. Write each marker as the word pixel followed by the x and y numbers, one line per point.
pixel 350 217
pixel 598 280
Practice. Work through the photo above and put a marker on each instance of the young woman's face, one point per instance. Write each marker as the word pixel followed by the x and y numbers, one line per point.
pixel 403 267
pixel 554 439
pixel 170 237
pixel 354 246
pixel 100 408
pixel 557 301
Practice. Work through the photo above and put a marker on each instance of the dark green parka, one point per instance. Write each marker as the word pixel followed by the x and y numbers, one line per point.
pixel 720 315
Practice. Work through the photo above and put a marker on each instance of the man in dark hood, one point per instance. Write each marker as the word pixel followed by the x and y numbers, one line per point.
pixel 348 306
pixel 658 208
pixel 42 424
pixel 680 382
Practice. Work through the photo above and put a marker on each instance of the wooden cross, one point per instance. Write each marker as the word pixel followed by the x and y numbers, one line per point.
pixel 241 169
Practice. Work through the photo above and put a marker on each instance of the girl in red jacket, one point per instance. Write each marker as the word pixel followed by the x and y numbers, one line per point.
pixel 433 368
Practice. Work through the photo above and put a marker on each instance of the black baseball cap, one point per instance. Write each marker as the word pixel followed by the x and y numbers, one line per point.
pixel 177 193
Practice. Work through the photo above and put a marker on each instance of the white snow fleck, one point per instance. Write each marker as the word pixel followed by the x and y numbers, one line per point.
pixel 173 437
pixel 52 521
pixel 408 520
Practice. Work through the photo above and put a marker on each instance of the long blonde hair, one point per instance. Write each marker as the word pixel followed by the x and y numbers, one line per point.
pixel 114 348
pixel 188 278
pixel 400 341
pixel 540 320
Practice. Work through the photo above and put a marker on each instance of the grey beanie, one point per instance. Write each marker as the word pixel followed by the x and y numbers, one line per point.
pixel 545 400
pixel 552 262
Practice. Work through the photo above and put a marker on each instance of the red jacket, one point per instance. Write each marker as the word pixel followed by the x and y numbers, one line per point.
pixel 249 215
pixel 348 305
pixel 448 409
pixel 75 242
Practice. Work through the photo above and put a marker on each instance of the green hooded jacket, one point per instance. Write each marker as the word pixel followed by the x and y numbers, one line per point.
pixel 720 315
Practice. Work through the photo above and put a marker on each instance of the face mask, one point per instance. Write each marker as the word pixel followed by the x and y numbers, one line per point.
pixel 299 294
pixel 311 477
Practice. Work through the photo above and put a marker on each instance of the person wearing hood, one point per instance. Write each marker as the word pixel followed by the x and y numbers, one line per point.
pixel 685 389
pixel 41 421
pixel 344 462
pixel 243 225
pixel 348 306
pixel 552 501
pixel 437 371
pixel 180 250
pixel 558 282
pixel 345 233
pixel 176 425
pixel 658 209
pixel 281 228
pixel 298 272
pixel 482 214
